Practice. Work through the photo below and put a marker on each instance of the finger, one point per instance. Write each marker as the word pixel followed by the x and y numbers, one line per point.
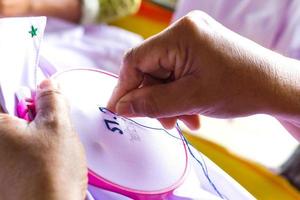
pixel 51 107
pixel 125 85
pixel 158 101
pixel 149 58
pixel 191 121
pixel 168 123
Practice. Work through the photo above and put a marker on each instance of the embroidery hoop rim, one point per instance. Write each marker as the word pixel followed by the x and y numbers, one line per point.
pixel 115 187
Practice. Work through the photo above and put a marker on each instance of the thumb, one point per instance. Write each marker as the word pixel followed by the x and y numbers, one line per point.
pixel 157 101
pixel 51 106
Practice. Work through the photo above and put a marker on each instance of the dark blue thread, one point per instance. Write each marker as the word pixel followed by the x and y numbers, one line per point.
pixel 102 109
pixel 203 166
pixel 188 144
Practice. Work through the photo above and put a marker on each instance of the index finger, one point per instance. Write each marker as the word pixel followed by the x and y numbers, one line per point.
pixel 129 79
pixel 146 59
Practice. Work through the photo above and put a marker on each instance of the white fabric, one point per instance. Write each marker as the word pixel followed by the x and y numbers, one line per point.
pixel 19 55
pixel 67 45
pixel 119 144
pixel 22 59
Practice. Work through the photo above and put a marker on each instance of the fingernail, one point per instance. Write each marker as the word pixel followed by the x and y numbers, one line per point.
pixel 48 84
pixel 124 108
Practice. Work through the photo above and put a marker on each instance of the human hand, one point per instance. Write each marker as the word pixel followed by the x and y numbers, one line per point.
pixel 42 159
pixel 197 66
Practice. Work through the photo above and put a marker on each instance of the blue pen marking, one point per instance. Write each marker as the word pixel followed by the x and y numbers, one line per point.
pixel 202 164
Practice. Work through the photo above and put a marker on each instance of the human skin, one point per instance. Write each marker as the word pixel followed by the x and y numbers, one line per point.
pixel 66 9
pixel 42 159
pixel 197 66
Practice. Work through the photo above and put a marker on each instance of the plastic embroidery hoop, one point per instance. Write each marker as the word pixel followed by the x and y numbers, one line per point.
pixel 149 167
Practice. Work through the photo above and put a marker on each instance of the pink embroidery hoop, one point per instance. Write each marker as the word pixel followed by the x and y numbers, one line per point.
pixel 103 182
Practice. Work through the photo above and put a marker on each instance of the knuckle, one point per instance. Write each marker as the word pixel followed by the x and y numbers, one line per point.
pixel 56 124
pixel 51 122
pixel 129 56
pixel 196 15
pixel 133 57
pixel 187 19
pixel 195 18
pixel 49 94
pixel 200 25
pixel 53 98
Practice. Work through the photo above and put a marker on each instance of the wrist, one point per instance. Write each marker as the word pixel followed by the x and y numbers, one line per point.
pixel 279 92
pixel 284 100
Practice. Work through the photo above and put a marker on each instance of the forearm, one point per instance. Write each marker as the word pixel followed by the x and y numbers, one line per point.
pixel 68 9
pixel 285 98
